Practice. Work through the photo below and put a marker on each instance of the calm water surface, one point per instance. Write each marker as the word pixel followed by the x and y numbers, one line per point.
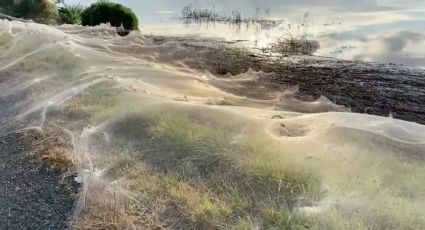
pixel 371 30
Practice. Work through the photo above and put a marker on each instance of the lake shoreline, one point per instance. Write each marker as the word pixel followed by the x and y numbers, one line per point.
pixel 362 87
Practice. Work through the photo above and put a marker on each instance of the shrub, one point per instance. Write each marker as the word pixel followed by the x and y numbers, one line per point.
pixel 5 3
pixel 109 12
pixel 70 14
pixel 43 11
pixel 6 7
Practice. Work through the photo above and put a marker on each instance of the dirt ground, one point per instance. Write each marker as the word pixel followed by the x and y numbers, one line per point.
pixel 32 196
pixel 372 88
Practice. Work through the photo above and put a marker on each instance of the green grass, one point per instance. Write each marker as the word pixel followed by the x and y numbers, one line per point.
pixel 190 173
pixel 282 220
pixel 185 170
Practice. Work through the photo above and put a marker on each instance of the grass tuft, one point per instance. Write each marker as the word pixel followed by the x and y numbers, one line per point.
pixel 52 148
pixel 188 174
pixel 278 220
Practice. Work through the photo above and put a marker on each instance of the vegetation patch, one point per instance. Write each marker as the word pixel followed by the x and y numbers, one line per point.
pixel 196 14
pixel 70 14
pixel 276 220
pixel 185 174
pixel 52 147
pixel 108 12
pixel 42 11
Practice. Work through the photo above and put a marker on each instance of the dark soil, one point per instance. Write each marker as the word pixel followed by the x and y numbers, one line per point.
pixel 365 88
pixel 32 196
pixel 372 88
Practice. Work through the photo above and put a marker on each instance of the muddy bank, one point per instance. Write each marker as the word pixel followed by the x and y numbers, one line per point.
pixel 33 196
pixel 372 88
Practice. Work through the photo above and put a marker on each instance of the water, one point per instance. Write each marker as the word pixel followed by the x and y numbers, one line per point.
pixel 380 30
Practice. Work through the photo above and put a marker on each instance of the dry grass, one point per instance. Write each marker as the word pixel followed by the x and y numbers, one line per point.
pixel 185 174
pixel 52 148
pixel 56 157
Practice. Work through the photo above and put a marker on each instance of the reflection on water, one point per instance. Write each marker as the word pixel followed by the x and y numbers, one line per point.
pixel 372 30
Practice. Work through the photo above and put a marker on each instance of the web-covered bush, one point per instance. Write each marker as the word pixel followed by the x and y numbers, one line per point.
pixel 109 12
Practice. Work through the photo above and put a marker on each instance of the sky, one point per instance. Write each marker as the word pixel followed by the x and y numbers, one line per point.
pixel 147 8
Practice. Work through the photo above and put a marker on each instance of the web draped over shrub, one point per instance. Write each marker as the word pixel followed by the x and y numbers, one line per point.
pixel 108 12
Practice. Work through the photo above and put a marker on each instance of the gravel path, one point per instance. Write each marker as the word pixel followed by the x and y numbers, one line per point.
pixel 31 195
